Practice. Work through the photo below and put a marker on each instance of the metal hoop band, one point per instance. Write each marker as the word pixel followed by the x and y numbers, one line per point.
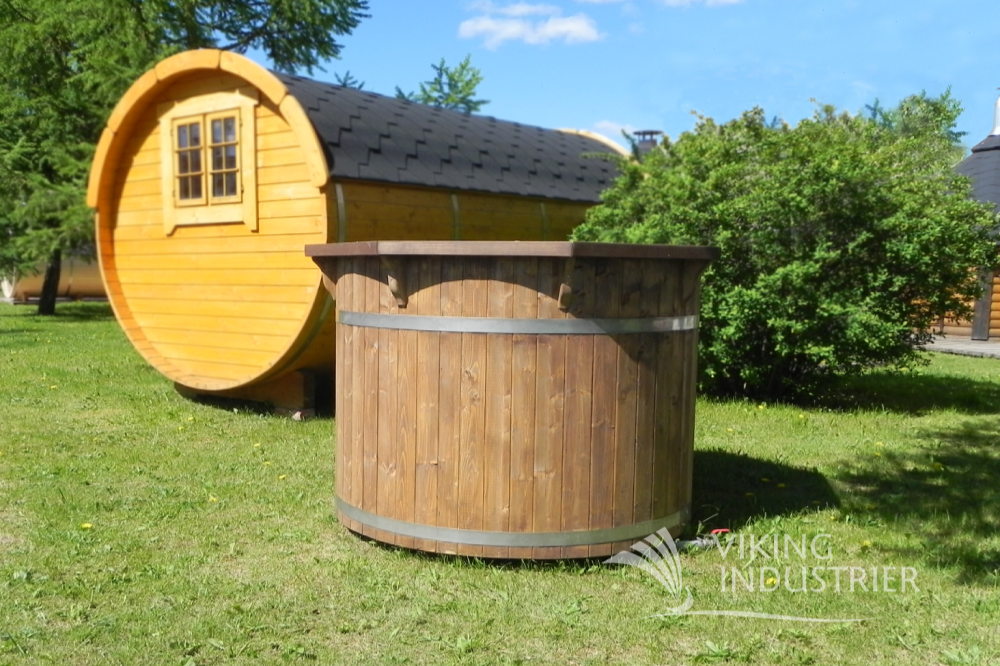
pixel 518 326
pixel 513 539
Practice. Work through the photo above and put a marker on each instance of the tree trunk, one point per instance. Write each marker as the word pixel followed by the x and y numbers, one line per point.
pixel 50 285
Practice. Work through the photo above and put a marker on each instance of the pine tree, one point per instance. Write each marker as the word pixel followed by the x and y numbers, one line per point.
pixel 65 65
pixel 450 88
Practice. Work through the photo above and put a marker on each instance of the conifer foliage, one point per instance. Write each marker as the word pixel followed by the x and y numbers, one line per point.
pixel 66 63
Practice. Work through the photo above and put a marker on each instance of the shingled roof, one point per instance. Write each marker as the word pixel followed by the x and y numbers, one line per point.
pixel 372 137
pixel 983 167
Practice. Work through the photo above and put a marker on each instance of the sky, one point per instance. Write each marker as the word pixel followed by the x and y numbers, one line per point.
pixel 608 65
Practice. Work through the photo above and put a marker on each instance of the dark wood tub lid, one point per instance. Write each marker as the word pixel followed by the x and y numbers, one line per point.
pixel 513 249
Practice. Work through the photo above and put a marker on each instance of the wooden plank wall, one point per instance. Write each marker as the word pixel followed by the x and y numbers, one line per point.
pixel 376 211
pixel 79 278
pixel 516 433
pixel 218 304
pixel 963 328
pixel 995 307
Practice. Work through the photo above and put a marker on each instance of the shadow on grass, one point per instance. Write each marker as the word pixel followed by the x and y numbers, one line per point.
pixel 323 398
pixel 721 480
pixel 915 394
pixel 946 493
pixel 84 311
pixel 234 405
pixel 732 489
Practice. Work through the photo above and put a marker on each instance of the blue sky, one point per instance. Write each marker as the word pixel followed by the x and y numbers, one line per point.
pixel 647 64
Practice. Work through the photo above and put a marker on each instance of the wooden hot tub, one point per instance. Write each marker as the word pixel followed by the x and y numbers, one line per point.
pixel 514 399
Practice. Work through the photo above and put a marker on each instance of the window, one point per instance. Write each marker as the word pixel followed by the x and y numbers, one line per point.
pixel 223 149
pixel 207 160
pixel 189 188
pixel 220 153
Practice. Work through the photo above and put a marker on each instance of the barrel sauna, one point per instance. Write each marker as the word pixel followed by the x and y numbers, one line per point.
pixel 514 399
pixel 213 173
pixel 79 278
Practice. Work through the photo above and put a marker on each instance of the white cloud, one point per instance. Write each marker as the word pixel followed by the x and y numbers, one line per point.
pixel 710 3
pixel 613 130
pixel 511 26
pixel 574 29
pixel 670 3
pixel 516 9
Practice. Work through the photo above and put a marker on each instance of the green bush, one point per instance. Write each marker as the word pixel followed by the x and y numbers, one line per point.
pixel 843 242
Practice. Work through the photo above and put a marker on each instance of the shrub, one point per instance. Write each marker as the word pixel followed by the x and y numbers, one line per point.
pixel 842 243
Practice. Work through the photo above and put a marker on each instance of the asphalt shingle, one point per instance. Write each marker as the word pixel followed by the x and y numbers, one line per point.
pixel 983 168
pixel 374 137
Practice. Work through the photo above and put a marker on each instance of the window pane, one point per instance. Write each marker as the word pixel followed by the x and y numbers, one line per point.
pixel 217 185
pixel 195 161
pixel 216 159
pixel 185 188
pixel 216 131
pixel 183 163
pixel 196 187
pixel 182 136
pixel 230 124
pixel 195 134
pixel 230 157
pixel 231 184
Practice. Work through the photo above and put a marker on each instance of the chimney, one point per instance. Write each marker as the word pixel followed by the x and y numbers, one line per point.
pixel 996 118
pixel 648 139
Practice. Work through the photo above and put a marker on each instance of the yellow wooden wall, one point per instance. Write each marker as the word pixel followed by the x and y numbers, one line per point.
pixel 995 307
pixel 964 328
pixel 78 278
pixel 375 211
pixel 217 307
pixel 214 306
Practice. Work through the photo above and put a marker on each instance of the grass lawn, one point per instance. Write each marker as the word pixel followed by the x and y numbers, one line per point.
pixel 138 527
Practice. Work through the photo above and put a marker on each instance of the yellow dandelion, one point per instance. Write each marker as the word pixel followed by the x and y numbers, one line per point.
pixel 212 498
pixel 802 416
pixel 53 387
pixel 866 544
pixel 730 430
pixel 85 526
pixel 256 446
pixel 879 444
pixel 764 479
pixel 762 406
pixel 190 418
pixel 770 581
pixel 878 454
pixel 179 428
pixel 267 462
pixel 781 485
pixel 834 518
pixel 281 477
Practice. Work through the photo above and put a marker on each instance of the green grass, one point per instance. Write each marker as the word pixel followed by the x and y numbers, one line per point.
pixel 212 538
